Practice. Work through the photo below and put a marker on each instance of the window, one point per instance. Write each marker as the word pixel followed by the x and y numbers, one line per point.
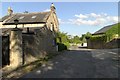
pixel 51 27
pixel 21 17
pixel 33 17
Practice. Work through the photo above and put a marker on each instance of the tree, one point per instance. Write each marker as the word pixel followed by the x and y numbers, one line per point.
pixel 85 36
pixel 76 39
pixel 64 39
pixel 88 35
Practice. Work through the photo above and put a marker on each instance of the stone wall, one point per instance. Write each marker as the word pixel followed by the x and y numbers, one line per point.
pixel 15 43
pixel 53 19
pixel 27 47
pixel 115 43
pixel 103 45
pixel 98 44
pixel 38 45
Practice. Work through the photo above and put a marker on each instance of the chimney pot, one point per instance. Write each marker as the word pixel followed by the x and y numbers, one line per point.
pixel 10 11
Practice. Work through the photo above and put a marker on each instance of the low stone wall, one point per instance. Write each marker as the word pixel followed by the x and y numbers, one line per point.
pixel 115 43
pixel 95 44
pixel 103 45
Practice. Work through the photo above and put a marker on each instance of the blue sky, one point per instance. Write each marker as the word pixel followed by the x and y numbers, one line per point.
pixel 75 18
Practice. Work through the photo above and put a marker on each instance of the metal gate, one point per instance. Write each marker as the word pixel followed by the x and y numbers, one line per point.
pixel 5 51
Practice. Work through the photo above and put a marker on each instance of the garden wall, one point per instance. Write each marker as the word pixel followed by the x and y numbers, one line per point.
pixel 98 44
pixel 38 45
pixel 33 45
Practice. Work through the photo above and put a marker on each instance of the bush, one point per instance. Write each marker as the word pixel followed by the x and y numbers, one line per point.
pixel 112 31
pixel 61 47
pixel 67 44
pixel 99 38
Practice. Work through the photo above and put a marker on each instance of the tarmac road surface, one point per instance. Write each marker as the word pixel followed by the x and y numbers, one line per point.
pixel 80 63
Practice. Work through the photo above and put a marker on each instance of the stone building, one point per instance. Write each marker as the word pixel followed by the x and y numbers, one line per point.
pixel 106 37
pixel 33 37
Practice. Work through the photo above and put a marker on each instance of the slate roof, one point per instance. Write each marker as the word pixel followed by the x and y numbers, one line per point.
pixel 104 29
pixel 25 18
pixel 3 18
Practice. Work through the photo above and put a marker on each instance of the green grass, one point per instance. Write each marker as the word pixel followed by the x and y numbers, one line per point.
pixel 112 31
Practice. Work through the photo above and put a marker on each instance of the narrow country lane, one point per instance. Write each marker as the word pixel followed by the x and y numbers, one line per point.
pixel 79 63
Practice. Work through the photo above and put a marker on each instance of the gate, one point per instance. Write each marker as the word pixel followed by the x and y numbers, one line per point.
pixel 5 51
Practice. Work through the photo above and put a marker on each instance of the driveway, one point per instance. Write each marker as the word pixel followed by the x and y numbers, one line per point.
pixel 79 63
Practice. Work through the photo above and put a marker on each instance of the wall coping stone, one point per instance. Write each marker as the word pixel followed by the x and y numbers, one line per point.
pixel 16 29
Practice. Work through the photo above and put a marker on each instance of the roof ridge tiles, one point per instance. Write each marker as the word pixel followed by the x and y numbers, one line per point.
pixel 32 13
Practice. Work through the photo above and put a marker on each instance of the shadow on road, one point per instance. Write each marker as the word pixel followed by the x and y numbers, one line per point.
pixel 78 64
pixel 84 47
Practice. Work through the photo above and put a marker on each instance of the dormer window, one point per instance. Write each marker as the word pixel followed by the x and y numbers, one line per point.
pixel 33 17
pixel 21 17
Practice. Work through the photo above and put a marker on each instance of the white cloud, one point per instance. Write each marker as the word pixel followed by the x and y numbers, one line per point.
pixel 93 19
pixel 95 15
pixel 46 10
pixel 60 21
pixel 84 22
pixel 112 18
pixel 81 16
pixel 64 21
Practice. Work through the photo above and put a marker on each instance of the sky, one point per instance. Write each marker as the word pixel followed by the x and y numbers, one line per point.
pixel 75 18
pixel 59 0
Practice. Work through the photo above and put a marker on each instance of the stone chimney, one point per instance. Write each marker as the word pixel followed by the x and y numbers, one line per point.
pixel 52 8
pixel 10 11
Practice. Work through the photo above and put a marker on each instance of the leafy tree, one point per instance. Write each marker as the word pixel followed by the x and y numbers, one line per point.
pixel 88 34
pixel 85 36
pixel 63 38
pixel 113 31
pixel 76 39
pixel 83 39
